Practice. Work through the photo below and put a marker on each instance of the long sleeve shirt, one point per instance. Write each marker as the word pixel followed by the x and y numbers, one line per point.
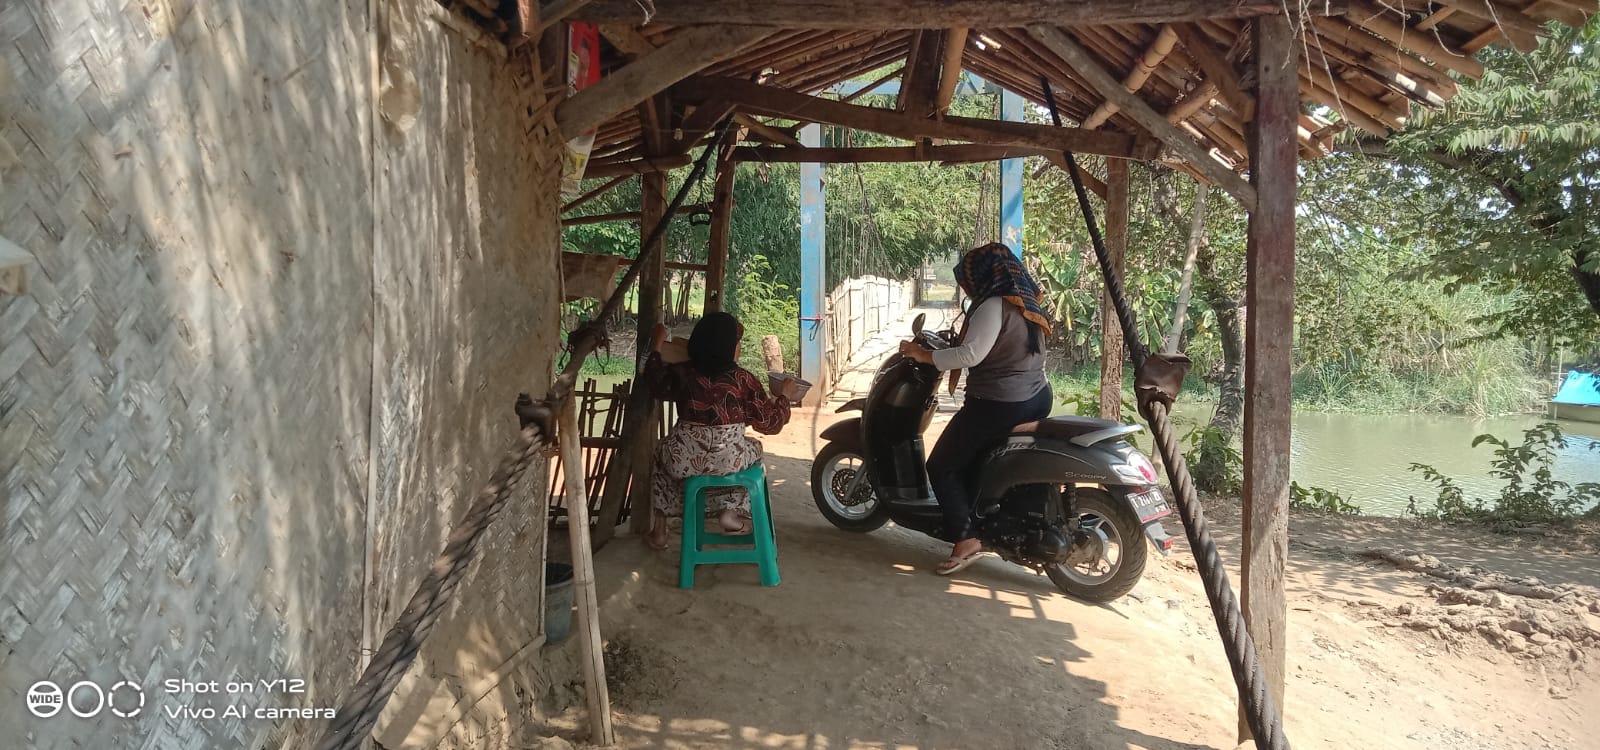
pixel 734 397
pixel 983 328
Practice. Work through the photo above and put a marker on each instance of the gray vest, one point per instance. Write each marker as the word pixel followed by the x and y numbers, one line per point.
pixel 1010 373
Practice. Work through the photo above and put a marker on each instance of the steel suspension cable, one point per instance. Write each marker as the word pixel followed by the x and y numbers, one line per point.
pixel 1261 711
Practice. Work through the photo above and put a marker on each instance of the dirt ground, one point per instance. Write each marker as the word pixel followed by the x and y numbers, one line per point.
pixel 863 647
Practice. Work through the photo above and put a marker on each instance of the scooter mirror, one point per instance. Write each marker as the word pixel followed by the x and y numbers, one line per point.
pixel 916 323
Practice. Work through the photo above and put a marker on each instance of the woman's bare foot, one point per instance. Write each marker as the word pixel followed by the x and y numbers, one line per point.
pixel 733 523
pixel 657 538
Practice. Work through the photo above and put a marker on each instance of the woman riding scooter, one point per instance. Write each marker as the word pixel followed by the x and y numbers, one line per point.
pixel 1002 347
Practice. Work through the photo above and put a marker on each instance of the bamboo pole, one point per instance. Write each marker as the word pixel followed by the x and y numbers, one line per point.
pixel 601 731
pixel 1143 66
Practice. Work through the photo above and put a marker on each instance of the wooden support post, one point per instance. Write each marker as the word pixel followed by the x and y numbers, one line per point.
pixel 594 667
pixel 1269 334
pixel 721 228
pixel 641 402
pixel 1112 347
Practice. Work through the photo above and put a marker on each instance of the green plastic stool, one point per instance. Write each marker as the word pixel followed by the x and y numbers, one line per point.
pixel 763 540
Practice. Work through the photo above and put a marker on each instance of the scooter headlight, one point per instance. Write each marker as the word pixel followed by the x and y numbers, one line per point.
pixel 1137 470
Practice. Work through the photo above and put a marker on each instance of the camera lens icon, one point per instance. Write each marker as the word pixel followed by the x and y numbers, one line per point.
pixel 45 699
pixel 85 699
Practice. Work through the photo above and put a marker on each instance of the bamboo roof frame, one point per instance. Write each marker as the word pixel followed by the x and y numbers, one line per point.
pixel 1363 64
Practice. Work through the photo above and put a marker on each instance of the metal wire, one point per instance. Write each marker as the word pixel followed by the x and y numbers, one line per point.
pixel 1261 711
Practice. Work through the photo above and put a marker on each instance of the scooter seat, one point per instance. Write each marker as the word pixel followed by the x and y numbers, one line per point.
pixel 1064 428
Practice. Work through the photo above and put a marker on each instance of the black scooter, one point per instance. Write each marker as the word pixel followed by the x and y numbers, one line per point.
pixel 1069 497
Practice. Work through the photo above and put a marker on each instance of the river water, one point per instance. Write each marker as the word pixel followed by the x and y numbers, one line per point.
pixel 1367 458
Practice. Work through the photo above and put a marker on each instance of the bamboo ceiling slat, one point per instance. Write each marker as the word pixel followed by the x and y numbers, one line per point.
pixel 1349 65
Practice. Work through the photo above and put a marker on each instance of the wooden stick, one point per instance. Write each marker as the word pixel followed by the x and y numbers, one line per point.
pixel 721 227
pixel 578 221
pixel 595 193
pixel 1379 22
pixel 948 154
pixel 1143 66
pixel 776 135
pixel 646 165
pixel 891 75
pixel 601 731
pixel 776 102
pixel 1218 70
pixel 1152 121
pixel 689 52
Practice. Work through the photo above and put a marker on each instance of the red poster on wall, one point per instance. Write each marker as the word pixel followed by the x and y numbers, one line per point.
pixel 583 70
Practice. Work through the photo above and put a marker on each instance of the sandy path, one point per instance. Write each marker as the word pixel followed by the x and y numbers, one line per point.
pixel 861 647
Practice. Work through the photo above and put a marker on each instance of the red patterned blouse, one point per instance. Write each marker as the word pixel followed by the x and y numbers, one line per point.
pixel 735 397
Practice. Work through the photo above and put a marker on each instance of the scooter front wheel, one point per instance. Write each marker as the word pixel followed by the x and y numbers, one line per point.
pixel 835 467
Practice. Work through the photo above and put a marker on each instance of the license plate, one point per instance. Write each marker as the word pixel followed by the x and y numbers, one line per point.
pixel 1150 505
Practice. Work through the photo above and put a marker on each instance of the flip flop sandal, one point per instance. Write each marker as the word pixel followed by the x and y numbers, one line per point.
pixel 955 565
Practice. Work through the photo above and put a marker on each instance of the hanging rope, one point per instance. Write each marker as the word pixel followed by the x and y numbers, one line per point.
pixel 1156 381
pixel 360 710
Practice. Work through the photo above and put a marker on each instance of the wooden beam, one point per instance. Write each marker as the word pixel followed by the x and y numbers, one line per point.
pixel 899 14
pixel 774 134
pixel 694 128
pixel 1093 183
pixel 601 731
pixel 919 90
pixel 642 406
pixel 775 102
pixel 646 165
pixel 955 48
pixel 689 52
pixel 1143 66
pixel 553 13
pixel 887 77
pixel 671 265
pixel 627 39
pixel 1101 81
pixel 595 193
pixel 1269 345
pixel 578 221
pixel 1112 348
pixel 1566 13
pixel 1219 72
pixel 1434 19
pixel 1349 36
pixel 1193 102
pixel 524 22
pixel 947 154
pixel 721 227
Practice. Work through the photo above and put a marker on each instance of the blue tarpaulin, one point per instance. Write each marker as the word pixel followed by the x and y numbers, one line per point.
pixel 1580 389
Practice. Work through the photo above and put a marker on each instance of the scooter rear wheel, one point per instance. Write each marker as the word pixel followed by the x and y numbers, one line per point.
pixel 831 473
pixel 1121 559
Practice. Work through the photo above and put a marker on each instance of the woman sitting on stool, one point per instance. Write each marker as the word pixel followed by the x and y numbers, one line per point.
pixel 716 400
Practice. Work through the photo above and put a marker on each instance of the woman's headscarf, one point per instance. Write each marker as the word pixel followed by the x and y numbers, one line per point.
pixel 994 271
pixel 713 343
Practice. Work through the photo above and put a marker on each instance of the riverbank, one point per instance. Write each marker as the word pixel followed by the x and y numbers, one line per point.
pixel 862 647
pixel 1380 394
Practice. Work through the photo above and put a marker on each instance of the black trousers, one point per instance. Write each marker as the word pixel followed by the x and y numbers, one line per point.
pixel 977 427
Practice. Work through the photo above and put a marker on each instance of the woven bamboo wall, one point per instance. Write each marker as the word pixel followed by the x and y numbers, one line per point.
pixel 197 451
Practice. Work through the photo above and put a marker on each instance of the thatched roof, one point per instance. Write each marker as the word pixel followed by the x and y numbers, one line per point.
pixel 1363 64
